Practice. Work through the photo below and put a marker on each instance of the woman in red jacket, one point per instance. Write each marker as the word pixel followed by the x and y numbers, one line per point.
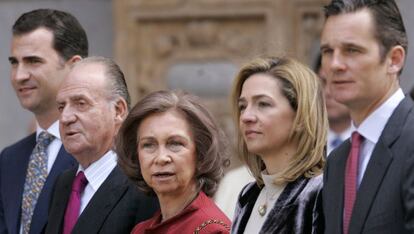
pixel 170 146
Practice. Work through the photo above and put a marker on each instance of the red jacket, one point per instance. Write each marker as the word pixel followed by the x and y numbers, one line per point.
pixel 201 216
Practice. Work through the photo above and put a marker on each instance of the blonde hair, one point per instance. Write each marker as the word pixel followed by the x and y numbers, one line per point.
pixel 301 86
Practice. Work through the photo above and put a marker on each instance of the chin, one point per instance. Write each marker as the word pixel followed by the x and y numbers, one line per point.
pixel 74 150
pixel 28 106
pixel 255 150
pixel 165 190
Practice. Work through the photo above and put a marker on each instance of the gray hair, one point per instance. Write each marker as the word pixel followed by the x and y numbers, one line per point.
pixel 115 76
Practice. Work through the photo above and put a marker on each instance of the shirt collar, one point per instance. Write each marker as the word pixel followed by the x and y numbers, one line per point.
pixel 343 135
pixel 371 128
pixel 53 130
pixel 98 171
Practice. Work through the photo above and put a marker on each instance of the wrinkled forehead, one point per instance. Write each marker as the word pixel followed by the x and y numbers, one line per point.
pixel 89 74
pixel 87 80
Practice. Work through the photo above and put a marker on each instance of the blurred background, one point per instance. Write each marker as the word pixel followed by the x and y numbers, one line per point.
pixel 195 45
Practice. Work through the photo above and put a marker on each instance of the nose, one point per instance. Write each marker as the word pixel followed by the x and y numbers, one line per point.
pixel 20 73
pixel 248 116
pixel 163 157
pixel 67 116
pixel 337 63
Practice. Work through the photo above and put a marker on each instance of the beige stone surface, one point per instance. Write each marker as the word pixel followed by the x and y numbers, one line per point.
pixel 151 36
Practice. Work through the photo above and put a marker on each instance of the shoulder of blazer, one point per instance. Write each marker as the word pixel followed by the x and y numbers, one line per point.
pixel 28 142
pixel 399 119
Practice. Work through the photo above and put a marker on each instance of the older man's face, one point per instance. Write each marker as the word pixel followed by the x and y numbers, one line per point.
pixel 87 116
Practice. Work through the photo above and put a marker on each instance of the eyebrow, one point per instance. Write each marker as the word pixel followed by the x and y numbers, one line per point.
pixel 77 97
pixel 345 44
pixel 12 59
pixel 324 46
pixel 255 97
pixel 169 137
pixel 27 58
pixel 74 98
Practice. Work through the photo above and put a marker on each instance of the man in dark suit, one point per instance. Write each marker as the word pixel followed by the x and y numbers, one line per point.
pixel 369 180
pixel 45 44
pixel 93 102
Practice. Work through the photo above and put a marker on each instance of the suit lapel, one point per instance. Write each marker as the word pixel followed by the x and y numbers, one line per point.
pixel 335 194
pixel 63 161
pixel 371 182
pixel 62 199
pixel 283 207
pixel 378 165
pixel 102 202
pixel 16 171
pixel 246 203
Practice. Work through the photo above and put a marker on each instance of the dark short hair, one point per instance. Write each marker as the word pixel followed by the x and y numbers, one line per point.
pixel 69 38
pixel 210 142
pixel 116 79
pixel 389 27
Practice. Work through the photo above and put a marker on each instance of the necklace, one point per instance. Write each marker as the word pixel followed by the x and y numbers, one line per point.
pixel 262 209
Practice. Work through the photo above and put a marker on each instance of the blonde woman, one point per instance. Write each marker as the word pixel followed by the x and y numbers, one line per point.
pixel 282 127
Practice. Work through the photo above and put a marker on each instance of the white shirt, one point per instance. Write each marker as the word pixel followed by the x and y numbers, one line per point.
pixel 372 127
pixel 96 174
pixel 269 195
pixel 343 136
pixel 54 146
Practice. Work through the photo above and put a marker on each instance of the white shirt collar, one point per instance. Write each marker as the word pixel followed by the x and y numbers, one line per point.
pixel 53 130
pixel 343 135
pixel 371 128
pixel 270 185
pixel 98 171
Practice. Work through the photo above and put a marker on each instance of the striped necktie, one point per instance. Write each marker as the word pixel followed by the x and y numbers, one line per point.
pixel 351 176
pixel 35 179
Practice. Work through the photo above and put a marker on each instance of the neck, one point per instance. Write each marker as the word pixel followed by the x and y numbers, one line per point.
pixel 338 126
pixel 173 204
pixel 89 157
pixel 276 162
pixel 361 111
pixel 46 119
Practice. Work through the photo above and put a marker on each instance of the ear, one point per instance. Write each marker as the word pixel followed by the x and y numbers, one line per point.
pixel 121 110
pixel 74 59
pixel 396 57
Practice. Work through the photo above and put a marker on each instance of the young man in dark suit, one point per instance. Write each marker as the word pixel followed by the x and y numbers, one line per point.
pixel 45 44
pixel 93 102
pixel 369 180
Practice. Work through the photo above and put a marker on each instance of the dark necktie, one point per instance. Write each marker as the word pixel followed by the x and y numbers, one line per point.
pixel 351 177
pixel 73 207
pixel 35 179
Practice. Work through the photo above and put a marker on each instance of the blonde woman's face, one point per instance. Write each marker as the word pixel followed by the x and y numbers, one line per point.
pixel 266 117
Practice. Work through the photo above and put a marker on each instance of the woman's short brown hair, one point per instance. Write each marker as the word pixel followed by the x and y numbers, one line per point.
pixel 302 88
pixel 211 151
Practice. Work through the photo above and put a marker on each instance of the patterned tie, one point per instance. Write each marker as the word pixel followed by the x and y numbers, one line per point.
pixel 351 176
pixel 73 207
pixel 35 178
